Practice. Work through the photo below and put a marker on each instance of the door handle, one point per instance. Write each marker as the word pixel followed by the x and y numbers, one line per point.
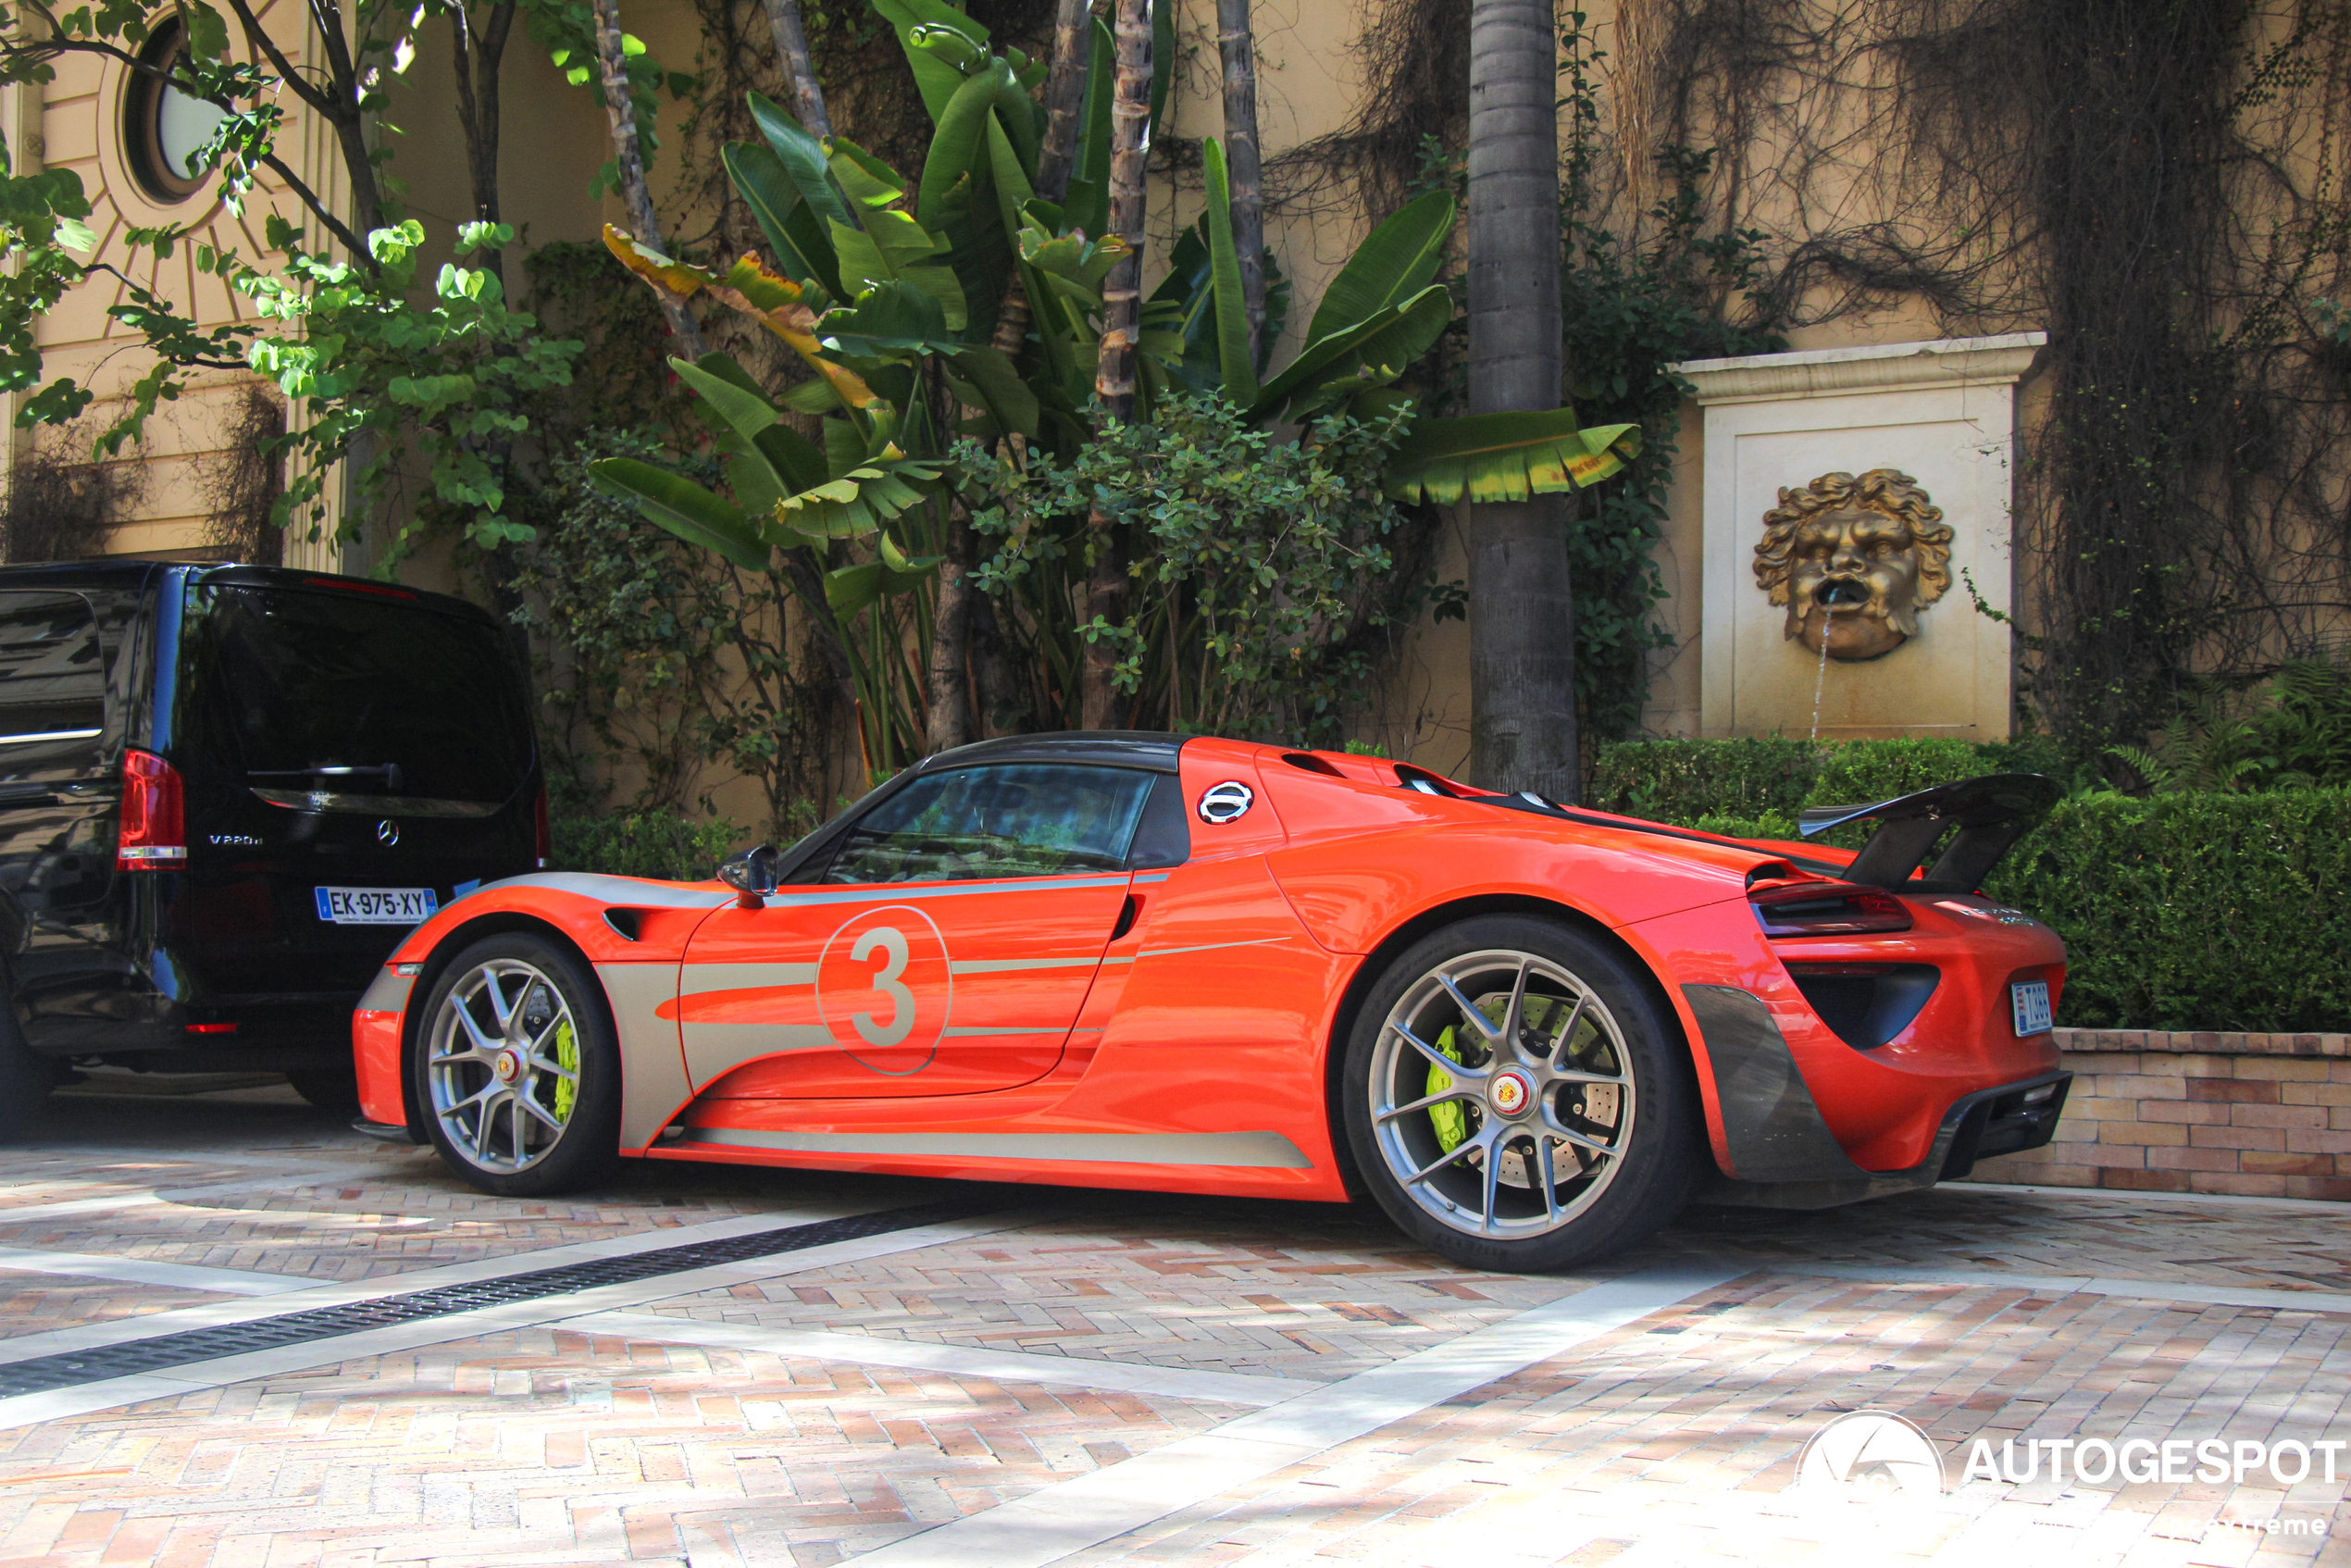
pixel 1126 913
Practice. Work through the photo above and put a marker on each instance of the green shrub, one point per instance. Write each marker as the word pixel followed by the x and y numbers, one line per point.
pixel 665 845
pixel 2187 910
pixel 2195 912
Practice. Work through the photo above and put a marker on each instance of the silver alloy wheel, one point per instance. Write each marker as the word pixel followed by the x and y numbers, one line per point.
pixel 1501 1094
pixel 502 1063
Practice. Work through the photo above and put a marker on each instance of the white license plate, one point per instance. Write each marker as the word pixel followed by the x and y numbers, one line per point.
pixel 376 906
pixel 2029 1000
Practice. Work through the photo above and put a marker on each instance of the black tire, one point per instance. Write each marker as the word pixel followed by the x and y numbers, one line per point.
pixel 26 1077
pixel 330 1088
pixel 1618 1146
pixel 469 1098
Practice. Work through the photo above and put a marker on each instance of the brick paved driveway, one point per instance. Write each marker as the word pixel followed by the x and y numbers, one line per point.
pixel 1034 1376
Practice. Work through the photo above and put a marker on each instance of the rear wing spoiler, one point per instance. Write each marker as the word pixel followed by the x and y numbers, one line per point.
pixel 1991 813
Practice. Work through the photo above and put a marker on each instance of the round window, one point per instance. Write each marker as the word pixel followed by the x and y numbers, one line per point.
pixel 163 128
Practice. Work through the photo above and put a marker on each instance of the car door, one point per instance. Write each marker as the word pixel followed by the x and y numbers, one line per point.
pixel 944 948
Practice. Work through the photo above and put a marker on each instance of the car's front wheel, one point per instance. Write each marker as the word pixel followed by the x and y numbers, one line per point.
pixel 1515 1099
pixel 518 1070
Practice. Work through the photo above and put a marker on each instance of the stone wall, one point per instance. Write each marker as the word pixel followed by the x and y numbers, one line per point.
pixel 2253 1115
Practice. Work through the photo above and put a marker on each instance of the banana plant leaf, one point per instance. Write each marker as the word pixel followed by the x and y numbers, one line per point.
pixel 1422 315
pixel 935 77
pixel 804 158
pixel 684 508
pixel 1487 457
pixel 776 303
pixel 894 316
pixel 1237 366
pixel 850 589
pixel 1396 261
pixel 800 242
pixel 791 460
pixel 861 500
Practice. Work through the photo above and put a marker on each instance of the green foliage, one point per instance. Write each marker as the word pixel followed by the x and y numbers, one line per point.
pixel 455 376
pixel 2187 910
pixel 2196 910
pixel 1630 310
pixel 1262 573
pixel 2292 730
pixel 669 663
pixel 665 845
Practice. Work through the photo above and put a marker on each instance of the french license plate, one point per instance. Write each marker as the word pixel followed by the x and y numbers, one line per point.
pixel 376 906
pixel 2029 1000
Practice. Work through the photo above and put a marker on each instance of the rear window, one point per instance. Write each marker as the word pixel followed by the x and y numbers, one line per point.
pixel 52 677
pixel 356 695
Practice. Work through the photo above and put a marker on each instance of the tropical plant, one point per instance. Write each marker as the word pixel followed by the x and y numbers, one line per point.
pixel 895 311
pixel 2291 732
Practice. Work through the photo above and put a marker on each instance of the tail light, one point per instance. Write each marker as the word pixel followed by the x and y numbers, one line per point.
pixel 1822 908
pixel 155 826
pixel 546 839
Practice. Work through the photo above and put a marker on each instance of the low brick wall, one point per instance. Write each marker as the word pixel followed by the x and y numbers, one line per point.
pixel 2258 1115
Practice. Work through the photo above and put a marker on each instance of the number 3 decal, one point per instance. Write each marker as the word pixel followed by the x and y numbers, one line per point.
pixel 884 989
pixel 892 943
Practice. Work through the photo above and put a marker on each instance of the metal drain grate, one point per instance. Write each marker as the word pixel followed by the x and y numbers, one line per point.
pixel 74 1367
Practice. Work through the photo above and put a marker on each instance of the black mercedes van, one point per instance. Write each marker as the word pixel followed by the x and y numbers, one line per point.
pixel 225 793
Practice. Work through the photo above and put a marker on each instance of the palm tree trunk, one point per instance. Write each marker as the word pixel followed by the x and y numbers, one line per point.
pixel 1521 621
pixel 800 87
pixel 1246 181
pixel 1101 703
pixel 620 117
pixel 1065 96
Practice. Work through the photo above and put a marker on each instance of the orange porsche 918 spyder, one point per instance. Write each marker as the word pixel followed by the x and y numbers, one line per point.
pixel 1529 1032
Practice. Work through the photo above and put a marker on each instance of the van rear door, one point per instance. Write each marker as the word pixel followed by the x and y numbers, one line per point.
pixel 353 754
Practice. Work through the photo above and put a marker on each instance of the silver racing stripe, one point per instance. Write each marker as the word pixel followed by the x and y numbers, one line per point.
pixel 618 890
pixel 1258 1151
pixel 1016 966
pixel 704 977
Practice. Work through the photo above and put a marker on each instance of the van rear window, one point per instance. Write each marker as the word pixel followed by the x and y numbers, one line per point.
pixel 357 695
pixel 52 677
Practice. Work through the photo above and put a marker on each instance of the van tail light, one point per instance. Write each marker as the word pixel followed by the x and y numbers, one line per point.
pixel 154 822
pixel 546 839
pixel 1822 908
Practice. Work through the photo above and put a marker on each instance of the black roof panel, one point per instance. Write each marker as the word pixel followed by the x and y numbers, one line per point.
pixel 1107 748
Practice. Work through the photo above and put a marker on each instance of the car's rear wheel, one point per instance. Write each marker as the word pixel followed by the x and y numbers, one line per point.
pixel 518 1069
pixel 1515 1099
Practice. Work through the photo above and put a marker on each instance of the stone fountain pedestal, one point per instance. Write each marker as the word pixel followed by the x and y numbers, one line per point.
pixel 1897 463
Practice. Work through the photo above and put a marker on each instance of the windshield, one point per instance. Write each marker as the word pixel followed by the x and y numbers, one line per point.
pixel 342 692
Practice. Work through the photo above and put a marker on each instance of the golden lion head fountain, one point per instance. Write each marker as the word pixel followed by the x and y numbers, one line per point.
pixel 1855 560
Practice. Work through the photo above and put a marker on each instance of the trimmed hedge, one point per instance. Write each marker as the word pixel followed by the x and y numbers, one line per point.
pixel 2181 912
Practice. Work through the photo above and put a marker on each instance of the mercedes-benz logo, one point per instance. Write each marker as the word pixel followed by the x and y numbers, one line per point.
pixel 387 832
pixel 1223 803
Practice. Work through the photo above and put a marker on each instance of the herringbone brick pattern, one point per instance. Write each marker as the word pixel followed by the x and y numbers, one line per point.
pixel 1320 1298
pixel 546 1448
pixel 1673 1443
pixel 34 1305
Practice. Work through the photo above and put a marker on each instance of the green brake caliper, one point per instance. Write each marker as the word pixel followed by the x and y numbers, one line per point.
pixel 1450 1120
pixel 567 1058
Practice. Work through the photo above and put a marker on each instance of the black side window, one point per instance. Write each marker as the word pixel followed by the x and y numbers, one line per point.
pixel 52 680
pixel 976 824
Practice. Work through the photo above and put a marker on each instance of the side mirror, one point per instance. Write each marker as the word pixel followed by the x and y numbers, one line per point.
pixel 751 874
